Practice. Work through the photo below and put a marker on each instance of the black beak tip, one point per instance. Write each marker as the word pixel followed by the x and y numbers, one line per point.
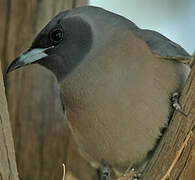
pixel 9 69
pixel 14 65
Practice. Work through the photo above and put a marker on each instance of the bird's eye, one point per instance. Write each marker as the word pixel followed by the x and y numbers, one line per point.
pixel 56 35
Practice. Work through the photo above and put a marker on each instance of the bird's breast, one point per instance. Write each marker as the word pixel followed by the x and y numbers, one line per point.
pixel 117 104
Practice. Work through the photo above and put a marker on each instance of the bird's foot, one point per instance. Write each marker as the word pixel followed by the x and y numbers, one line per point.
pixel 130 175
pixel 175 103
pixel 137 176
pixel 105 172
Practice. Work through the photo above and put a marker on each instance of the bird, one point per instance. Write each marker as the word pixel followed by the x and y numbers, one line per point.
pixel 116 82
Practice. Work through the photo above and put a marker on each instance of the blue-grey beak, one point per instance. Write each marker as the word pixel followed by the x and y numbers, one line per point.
pixel 28 57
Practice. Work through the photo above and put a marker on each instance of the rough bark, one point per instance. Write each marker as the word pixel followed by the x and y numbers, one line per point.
pixel 8 169
pixel 180 133
pixel 40 133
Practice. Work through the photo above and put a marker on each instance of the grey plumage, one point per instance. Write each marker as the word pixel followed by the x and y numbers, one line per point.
pixel 116 81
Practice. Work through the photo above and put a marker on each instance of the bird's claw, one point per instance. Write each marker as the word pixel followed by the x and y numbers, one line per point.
pixel 137 176
pixel 130 175
pixel 175 103
pixel 105 173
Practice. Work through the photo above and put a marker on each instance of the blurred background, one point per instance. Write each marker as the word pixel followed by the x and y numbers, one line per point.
pixel 173 18
pixel 42 139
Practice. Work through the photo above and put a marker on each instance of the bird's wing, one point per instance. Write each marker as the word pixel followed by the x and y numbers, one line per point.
pixel 163 47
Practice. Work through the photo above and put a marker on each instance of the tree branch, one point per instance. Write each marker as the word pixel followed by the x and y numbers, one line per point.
pixel 8 169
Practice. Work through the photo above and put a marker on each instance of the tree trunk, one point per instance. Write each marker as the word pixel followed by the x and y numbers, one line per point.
pixel 174 157
pixel 8 169
pixel 40 132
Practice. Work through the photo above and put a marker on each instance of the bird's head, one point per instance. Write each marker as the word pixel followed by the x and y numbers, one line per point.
pixel 60 46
